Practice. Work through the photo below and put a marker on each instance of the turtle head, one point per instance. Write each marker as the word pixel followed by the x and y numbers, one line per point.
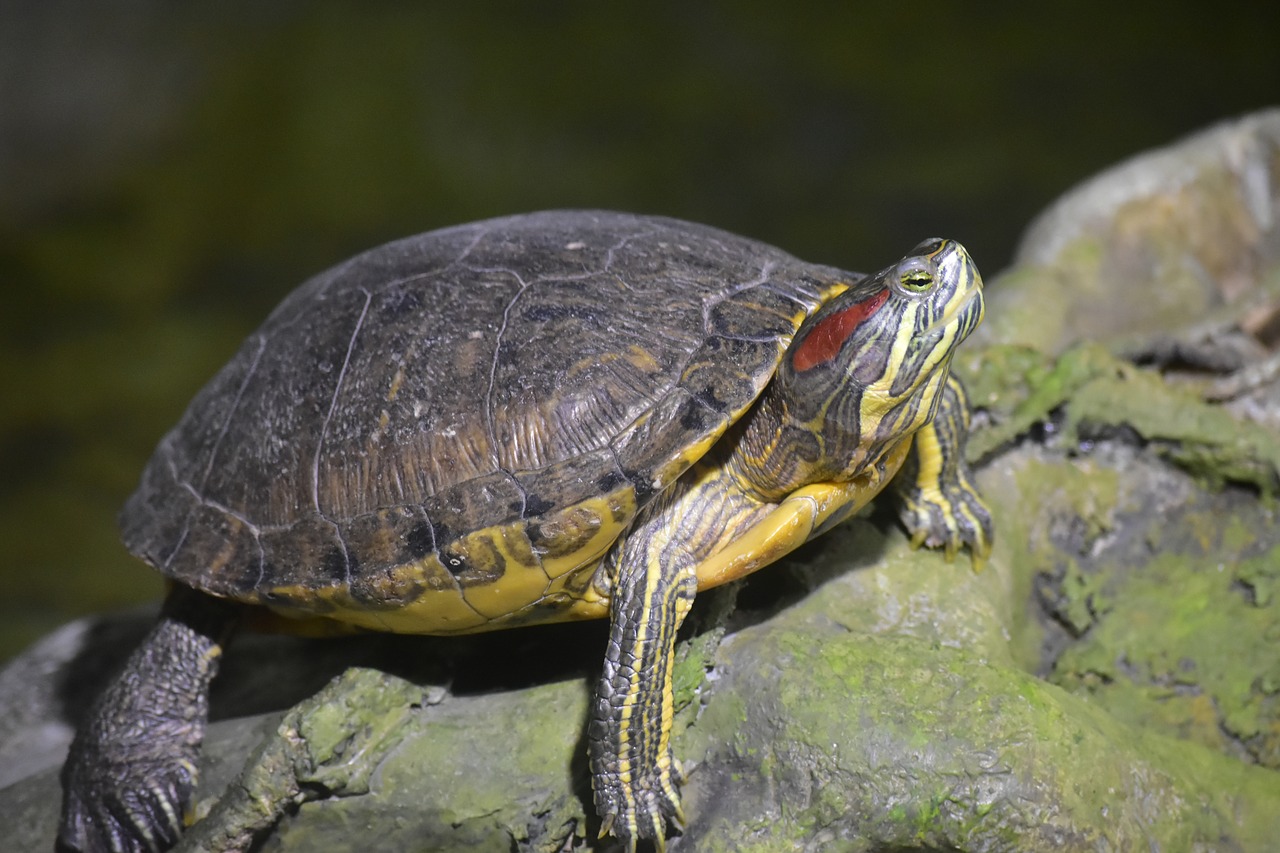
pixel 868 367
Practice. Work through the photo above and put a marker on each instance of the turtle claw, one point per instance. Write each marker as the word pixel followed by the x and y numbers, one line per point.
pixel 606 825
pixel 103 813
pixel 951 518
pixel 642 812
pixel 131 770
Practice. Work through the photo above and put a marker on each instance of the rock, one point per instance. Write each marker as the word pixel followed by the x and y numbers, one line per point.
pixel 42 690
pixel 1109 681
pixel 826 732
pixel 1169 239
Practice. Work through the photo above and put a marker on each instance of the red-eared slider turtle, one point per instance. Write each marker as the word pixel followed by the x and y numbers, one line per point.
pixel 556 416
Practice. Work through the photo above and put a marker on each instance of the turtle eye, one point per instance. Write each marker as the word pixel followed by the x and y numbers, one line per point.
pixel 916 276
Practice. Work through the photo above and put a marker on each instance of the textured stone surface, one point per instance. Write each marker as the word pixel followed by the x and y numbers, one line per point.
pixel 1166 241
pixel 1108 682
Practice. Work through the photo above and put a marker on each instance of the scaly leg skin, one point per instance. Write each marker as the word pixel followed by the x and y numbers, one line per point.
pixel 129 776
pixel 940 506
pixel 634 774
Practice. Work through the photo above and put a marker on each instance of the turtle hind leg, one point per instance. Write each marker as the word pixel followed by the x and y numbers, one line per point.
pixel 940 506
pixel 129 776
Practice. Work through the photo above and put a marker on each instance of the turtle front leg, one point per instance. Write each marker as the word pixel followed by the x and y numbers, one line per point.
pixel 634 774
pixel 129 776
pixel 940 506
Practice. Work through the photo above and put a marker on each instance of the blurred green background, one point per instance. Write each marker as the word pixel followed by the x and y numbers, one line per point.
pixel 169 171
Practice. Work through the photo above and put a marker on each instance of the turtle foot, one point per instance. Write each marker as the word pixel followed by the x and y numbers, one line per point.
pixel 131 771
pixel 642 809
pixel 950 518
pixel 134 808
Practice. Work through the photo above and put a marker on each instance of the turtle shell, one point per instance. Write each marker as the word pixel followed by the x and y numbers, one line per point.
pixel 449 432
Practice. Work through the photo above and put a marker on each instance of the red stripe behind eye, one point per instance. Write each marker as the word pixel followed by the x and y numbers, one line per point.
pixel 824 342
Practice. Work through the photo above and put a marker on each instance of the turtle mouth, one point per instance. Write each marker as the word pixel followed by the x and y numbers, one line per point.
pixel 954 310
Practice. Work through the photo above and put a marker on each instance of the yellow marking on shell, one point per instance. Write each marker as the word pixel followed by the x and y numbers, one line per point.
pixel 831 291
pixel 673 469
pixel 546 581
pixel 643 360
pixel 218 563
pixel 797 518
pixel 514 585
pixel 396 382
pixel 670 471
pixel 635 355
pixel 382 544
pixel 798 317
pixel 436 611
pixel 384 419
pixel 577 594
pixel 565 605
pixel 608 514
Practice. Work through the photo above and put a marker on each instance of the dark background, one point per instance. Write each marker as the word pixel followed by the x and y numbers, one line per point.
pixel 169 171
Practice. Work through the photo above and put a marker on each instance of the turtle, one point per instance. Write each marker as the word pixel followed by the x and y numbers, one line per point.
pixel 543 417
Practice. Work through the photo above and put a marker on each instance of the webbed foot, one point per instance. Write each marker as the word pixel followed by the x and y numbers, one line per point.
pixel 131 808
pixel 950 518
pixel 130 773
pixel 940 506
pixel 643 808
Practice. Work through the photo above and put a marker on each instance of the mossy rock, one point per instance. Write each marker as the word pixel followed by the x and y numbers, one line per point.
pixel 1108 681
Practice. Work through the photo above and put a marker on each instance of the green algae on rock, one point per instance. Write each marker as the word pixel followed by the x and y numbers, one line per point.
pixel 1097 392
pixel 949 752
pixel 1109 681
